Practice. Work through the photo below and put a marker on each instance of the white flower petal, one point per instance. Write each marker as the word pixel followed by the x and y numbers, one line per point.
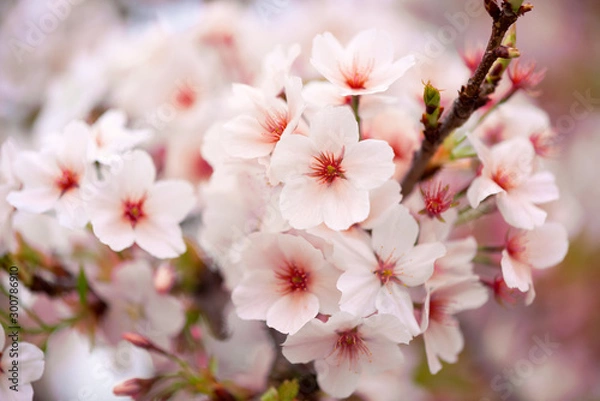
pixel 516 274
pixel 162 239
pixel 520 212
pixel 289 313
pixel 171 200
pixel 369 163
pixel 396 234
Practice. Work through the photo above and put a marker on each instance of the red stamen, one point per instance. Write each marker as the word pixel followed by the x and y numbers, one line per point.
pixel 292 278
pixel 326 168
pixel 133 211
pixel 67 181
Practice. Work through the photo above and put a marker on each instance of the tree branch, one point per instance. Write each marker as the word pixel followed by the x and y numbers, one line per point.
pixel 472 96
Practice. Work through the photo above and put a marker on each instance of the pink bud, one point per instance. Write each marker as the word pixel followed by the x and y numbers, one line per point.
pixel 134 388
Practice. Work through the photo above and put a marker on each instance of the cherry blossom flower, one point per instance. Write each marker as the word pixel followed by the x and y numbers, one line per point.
pixel 327 176
pixel 508 173
pixel 135 305
pixel 346 346
pixel 286 282
pixel 376 274
pixel 8 183
pixel 110 137
pixel 132 208
pixel 29 367
pixel 540 248
pixel 52 178
pixel 365 66
pixel 256 134
pixel 442 336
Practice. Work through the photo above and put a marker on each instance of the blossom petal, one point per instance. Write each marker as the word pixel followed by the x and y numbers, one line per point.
pixel 396 234
pixel 301 201
pixel 289 313
pixel 344 205
pixel 369 163
pixel 394 300
pixel 481 188
pixel 520 212
pixel 516 274
pixel 547 245
pixel 417 265
pixel 170 200
pixel 162 239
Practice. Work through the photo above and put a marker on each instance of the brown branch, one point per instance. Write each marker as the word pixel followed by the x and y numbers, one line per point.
pixel 472 96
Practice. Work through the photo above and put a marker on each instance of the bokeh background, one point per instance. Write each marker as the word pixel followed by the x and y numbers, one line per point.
pixel 560 35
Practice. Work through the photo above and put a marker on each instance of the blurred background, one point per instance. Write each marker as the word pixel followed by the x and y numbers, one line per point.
pixel 54 69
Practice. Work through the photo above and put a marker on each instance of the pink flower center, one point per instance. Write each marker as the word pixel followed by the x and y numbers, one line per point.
pixel 516 247
pixel 67 180
pixel 386 270
pixel 439 311
pixel 437 200
pixel 350 346
pixel 133 211
pixel 326 168
pixel 185 97
pixel 293 278
pixel 357 75
pixel 505 179
pixel 274 124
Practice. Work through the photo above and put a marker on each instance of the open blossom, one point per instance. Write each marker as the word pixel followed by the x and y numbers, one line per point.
pixel 132 208
pixel 345 347
pixel 508 173
pixel 8 183
pixel 52 177
pixel 287 282
pixel 135 305
pixel 30 367
pixel 110 137
pixel 376 274
pixel 540 248
pixel 441 333
pixel 327 175
pixel 365 66
pixel 255 134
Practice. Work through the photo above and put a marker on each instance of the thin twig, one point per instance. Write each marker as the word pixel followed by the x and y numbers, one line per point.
pixel 472 96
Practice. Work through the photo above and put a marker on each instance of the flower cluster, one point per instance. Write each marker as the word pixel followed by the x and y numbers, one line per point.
pixel 208 194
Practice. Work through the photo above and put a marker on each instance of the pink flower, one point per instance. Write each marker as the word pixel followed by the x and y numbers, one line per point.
pixel 8 183
pixel 377 274
pixel 30 368
pixel 255 134
pixel 327 176
pixel 287 282
pixel 508 173
pixel 52 177
pixel 442 336
pixel 345 347
pixel 110 137
pixel 135 305
pixel 131 207
pixel 365 66
pixel 540 248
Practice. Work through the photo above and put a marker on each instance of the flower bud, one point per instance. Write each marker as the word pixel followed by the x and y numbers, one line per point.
pixel 431 98
pixel 134 388
pixel 142 342
pixel 515 4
